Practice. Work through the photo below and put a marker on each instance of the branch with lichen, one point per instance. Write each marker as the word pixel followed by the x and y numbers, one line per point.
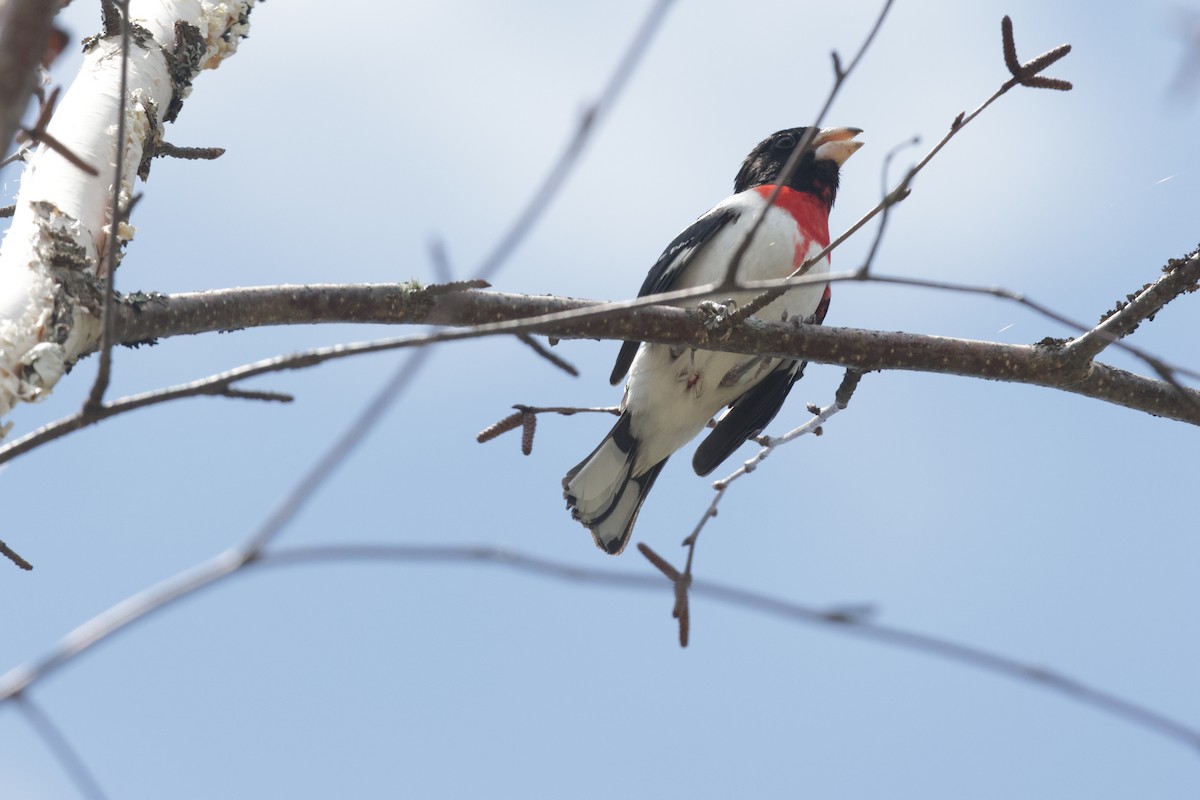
pixel 65 238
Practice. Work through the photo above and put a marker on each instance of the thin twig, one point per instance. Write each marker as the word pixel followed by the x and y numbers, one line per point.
pixel 839 77
pixel 1138 307
pixel 683 580
pixel 25 28
pixel 681 583
pixel 1027 73
pixel 526 417
pixel 104 371
pixel 1167 371
pixel 440 260
pixel 40 135
pixel 553 358
pixel 168 150
pixel 889 199
pixel 568 411
pixel 249 394
pixel 56 742
pixel 532 212
pixel 53 143
pixel 548 189
pixel 145 604
pixel 15 557
pixel 306 489
pixel 219 385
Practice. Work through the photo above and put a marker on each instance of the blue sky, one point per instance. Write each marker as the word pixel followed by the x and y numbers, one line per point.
pixel 1044 526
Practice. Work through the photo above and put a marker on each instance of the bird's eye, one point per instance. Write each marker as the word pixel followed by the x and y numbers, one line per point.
pixel 785 143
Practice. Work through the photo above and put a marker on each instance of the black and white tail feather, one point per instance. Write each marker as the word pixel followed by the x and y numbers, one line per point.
pixel 602 491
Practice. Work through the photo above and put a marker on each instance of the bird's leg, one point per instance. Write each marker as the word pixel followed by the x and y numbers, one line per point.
pixel 715 314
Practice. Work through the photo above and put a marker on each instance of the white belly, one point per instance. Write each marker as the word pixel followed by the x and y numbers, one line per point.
pixel 672 393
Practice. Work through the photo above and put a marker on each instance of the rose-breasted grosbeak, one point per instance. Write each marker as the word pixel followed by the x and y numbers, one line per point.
pixel 673 392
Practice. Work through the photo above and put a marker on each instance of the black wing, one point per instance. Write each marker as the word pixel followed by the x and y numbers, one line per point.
pixel 664 275
pixel 747 417
pixel 755 409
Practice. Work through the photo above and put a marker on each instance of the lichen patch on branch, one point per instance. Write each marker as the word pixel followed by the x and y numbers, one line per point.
pixel 65 220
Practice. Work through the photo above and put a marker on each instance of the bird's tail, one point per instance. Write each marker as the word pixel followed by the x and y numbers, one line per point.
pixel 603 492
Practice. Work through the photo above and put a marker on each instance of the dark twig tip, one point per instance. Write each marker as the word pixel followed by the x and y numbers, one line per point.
pixel 681 613
pixel 1057 84
pixel 1010 47
pixel 250 394
pixel 1036 65
pixel 659 562
pixel 511 422
pixel 14 557
pixel 849 384
pixel 168 150
pixel 1027 74
pixel 529 425
pixel 456 286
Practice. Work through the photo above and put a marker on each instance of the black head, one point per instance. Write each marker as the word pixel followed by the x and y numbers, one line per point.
pixel 817 172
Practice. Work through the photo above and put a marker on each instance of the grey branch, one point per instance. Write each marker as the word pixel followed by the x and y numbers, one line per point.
pixel 225 565
pixel 67 756
pixel 1140 306
pixel 492 313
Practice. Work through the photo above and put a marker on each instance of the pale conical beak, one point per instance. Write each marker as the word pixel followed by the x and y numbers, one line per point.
pixel 836 144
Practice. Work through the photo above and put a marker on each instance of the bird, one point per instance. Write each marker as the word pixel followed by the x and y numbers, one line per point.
pixel 673 392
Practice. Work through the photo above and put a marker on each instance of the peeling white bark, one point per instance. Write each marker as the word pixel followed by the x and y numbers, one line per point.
pixel 62 222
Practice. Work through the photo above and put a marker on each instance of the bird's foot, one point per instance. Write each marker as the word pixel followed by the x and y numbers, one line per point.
pixel 714 314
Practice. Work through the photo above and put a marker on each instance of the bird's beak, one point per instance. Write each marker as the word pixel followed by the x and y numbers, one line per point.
pixel 836 144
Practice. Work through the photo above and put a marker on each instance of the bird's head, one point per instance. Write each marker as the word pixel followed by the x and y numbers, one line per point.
pixel 817 172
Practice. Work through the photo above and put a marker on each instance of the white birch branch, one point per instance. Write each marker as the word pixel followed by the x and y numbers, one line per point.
pixel 62 225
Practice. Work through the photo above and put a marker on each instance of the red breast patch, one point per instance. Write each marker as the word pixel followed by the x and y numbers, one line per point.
pixel 810 213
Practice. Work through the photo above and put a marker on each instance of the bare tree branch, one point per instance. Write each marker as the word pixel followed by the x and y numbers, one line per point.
pixel 682 581
pixel 548 190
pixel 1048 365
pixel 1042 365
pixel 58 256
pixel 553 358
pixel 219 385
pixel 232 562
pixel 38 134
pixel 789 168
pixel 491 313
pixel 406 372
pixel 1138 307
pixel 95 409
pixel 58 744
